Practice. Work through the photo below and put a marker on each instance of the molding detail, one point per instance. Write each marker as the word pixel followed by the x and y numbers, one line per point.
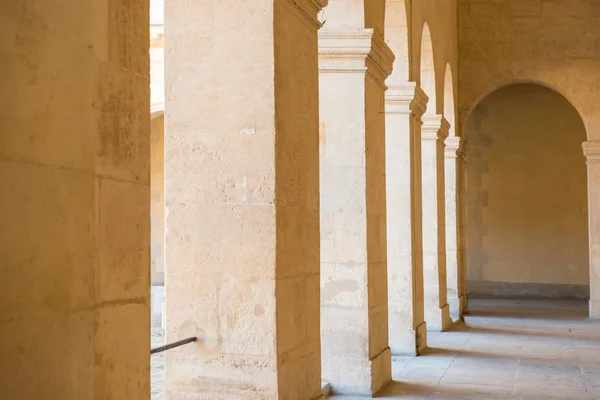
pixel 352 51
pixel 310 9
pixel 452 145
pixel 591 151
pixel 435 127
pixel 405 98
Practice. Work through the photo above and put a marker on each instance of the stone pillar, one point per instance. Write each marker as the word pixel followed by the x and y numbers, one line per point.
pixel 242 198
pixel 461 222
pixel 404 106
pixel 591 150
pixel 452 270
pixel 353 66
pixel 74 203
pixel 434 131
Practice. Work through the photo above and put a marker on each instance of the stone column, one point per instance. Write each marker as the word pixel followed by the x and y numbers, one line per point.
pixel 74 203
pixel 452 270
pixel 353 66
pixel 404 106
pixel 591 150
pixel 461 222
pixel 434 131
pixel 242 198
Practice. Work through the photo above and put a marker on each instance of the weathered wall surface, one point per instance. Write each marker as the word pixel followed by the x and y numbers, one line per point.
pixel 74 210
pixel 157 201
pixel 553 42
pixel 526 194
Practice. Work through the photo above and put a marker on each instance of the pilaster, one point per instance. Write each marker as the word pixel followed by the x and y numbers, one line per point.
pixel 405 105
pixel 353 66
pixel 434 131
pixel 243 226
pixel 452 144
pixel 591 151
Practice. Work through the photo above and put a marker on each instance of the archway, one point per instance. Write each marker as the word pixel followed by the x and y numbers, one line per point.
pixel 526 197
pixel 427 72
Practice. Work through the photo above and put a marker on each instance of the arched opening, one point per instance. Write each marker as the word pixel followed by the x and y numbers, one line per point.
pixel 397 38
pixel 427 73
pixel 526 201
pixel 449 112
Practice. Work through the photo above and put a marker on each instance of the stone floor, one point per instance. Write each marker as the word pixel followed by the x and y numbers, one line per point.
pixel 505 350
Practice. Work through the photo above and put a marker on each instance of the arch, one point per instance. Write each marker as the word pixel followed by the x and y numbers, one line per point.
pixel 449 109
pixel 397 38
pixel 492 89
pixel 526 189
pixel 427 69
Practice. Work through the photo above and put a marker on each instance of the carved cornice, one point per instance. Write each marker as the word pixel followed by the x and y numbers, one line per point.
pixel 435 127
pixel 310 9
pixel 591 151
pixel 452 145
pixel 404 98
pixel 354 51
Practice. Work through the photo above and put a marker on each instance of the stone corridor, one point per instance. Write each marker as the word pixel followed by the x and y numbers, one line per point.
pixel 506 350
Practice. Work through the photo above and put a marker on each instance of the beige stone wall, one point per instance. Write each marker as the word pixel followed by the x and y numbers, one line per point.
pixel 553 42
pixel 74 210
pixel 526 190
pixel 157 201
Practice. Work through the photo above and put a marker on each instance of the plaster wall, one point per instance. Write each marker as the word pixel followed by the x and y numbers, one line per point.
pixel 553 42
pixel 74 210
pixel 526 195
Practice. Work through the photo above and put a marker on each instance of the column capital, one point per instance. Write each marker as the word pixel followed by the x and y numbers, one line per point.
pixel 591 151
pixel 435 127
pixel 452 145
pixel 404 98
pixel 352 51
pixel 310 9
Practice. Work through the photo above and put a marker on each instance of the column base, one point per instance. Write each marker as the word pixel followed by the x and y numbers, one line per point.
pixel 454 304
pixel 463 305
pixel 421 337
pixel 594 310
pixel 381 367
pixel 441 321
pixel 410 342
pixel 355 377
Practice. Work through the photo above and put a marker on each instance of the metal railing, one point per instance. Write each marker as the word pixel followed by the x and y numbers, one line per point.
pixel 173 345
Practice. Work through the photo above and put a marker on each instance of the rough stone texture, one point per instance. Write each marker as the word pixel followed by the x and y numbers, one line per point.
pixel 242 198
pixel 353 65
pixel 405 105
pixel 453 277
pixel 526 194
pixel 434 132
pixel 74 210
